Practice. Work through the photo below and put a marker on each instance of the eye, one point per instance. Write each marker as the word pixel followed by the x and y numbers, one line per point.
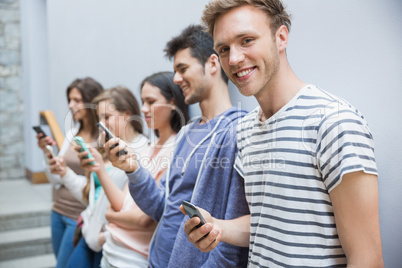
pixel 223 50
pixel 247 40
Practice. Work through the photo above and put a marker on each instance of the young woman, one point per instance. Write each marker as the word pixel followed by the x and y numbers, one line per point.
pixel 66 209
pixel 129 230
pixel 119 110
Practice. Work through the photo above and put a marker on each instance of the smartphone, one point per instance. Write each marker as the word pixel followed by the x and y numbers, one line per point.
pixel 49 149
pixel 192 211
pixel 80 141
pixel 39 130
pixel 109 136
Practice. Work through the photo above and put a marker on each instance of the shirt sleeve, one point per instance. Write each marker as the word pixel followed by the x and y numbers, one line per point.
pixel 238 166
pixel 75 184
pixel 344 145
pixel 141 183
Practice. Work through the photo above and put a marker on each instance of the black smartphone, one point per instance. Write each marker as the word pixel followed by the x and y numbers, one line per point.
pixel 109 136
pixel 192 211
pixel 39 130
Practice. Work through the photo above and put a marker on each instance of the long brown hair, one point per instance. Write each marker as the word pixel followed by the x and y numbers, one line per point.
pixel 89 88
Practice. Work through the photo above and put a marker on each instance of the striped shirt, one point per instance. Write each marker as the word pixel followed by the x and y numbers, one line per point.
pixel 290 163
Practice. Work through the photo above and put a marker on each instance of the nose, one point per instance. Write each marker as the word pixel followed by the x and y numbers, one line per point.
pixel 177 78
pixel 145 108
pixel 236 56
pixel 71 104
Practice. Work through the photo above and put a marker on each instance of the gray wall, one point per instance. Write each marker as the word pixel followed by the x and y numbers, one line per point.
pixel 350 48
pixel 11 93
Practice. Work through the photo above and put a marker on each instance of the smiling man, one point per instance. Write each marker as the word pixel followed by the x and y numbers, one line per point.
pixel 306 156
pixel 203 157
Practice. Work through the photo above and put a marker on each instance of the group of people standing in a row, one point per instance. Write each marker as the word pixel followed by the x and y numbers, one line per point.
pixel 292 183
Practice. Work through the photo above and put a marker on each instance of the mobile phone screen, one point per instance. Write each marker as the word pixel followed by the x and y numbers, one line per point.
pixel 39 130
pixel 109 136
pixel 80 141
pixel 192 211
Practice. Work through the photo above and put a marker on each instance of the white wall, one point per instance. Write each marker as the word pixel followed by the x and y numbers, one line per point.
pixel 115 42
pixel 350 48
pixel 353 49
pixel 35 75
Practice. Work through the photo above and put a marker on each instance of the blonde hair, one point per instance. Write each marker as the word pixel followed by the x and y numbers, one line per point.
pixel 274 9
pixel 124 100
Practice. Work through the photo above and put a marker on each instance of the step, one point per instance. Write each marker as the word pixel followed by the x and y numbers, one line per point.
pixel 28 242
pixel 24 220
pixel 23 205
pixel 41 261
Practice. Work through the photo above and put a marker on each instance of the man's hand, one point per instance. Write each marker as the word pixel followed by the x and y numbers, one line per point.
pixel 205 238
pixel 127 162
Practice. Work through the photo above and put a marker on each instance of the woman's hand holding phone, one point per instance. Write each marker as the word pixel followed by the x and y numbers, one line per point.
pixel 127 162
pixel 43 141
pixel 57 165
pixel 86 162
pixel 118 151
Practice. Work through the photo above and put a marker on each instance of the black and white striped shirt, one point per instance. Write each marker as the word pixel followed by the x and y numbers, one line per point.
pixel 290 163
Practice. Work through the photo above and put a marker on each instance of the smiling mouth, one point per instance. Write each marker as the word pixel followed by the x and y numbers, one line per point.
pixel 184 89
pixel 244 72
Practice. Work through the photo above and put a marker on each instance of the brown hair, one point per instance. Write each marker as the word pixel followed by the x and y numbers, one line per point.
pixel 123 100
pixel 273 8
pixel 170 91
pixel 199 42
pixel 85 191
pixel 89 88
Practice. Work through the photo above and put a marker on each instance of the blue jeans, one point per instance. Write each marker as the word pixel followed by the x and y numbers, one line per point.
pixel 62 237
pixel 84 257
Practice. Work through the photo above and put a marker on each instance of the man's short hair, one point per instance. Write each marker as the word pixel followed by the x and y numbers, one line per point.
pixel 274 9
pixel 199 42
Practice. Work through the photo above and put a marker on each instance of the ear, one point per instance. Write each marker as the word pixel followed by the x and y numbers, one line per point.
pixel 214 64
pixel 282 38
